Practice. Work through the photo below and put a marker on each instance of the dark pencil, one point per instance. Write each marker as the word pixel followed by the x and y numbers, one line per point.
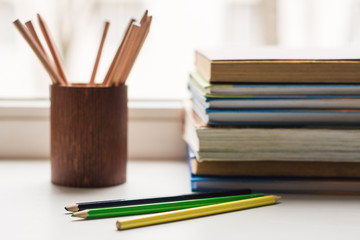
pixel 123 202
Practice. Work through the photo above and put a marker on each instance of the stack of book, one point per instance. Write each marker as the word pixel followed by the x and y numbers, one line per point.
pixel 274 120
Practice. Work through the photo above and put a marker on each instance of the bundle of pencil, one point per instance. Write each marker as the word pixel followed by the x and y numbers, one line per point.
pixel 171 208
pixel 120 67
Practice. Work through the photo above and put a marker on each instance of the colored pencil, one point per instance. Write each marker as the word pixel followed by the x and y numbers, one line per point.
pixel 106 28
pixel 123 202
pixel 158 207
pixel 196 212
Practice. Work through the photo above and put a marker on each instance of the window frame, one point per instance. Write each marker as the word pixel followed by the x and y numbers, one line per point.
pixel 155 129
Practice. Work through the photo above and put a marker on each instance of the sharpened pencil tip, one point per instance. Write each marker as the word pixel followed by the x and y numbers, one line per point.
pixel 72 208
pixel 277 198
pixel 81 214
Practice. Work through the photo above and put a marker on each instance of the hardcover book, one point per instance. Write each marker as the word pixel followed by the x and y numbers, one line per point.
pixel 274 168
pixel 277 117
pixel 211 101
pixel 237 143
pixel 223 90
pixel 275 65
pixel 277 184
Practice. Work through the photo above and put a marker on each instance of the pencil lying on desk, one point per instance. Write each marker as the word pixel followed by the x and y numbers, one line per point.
pixel 196 212
pixel 158 207
pixel 123 202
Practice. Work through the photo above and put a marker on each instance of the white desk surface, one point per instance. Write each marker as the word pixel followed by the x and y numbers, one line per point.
pixel 33 208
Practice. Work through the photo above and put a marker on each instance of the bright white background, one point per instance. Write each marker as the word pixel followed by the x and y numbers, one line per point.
pixel 178 28
pixel 157 83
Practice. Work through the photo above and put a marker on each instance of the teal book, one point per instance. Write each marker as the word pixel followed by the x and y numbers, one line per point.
pixel 212 101
pixel 277 117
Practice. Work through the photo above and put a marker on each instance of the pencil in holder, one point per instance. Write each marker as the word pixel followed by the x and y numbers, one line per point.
pixel 88 135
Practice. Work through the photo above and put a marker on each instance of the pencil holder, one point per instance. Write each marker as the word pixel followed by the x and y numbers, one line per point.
pixel 88 135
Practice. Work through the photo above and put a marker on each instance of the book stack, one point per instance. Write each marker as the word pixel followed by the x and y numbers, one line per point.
pixel 274 120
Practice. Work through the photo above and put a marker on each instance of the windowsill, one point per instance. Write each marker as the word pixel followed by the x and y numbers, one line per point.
pixel 155 129
pixel 39 108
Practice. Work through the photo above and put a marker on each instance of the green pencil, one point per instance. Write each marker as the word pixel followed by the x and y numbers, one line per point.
pixel 158 207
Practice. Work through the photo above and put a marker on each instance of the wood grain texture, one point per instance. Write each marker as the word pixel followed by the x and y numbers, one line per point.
pixel 88 135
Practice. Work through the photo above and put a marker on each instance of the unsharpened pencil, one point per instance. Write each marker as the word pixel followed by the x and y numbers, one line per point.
pixel 31 28
pixel 120 67
pixel 34 46
pixel 134 49
pixel 196 212
pixel 128 202
pixel 145 27
pixel 110 74
pixel 106 28
pixel 52 47
pixel 158 207
pixel 35 37
pixel 131 55
pixel 124 54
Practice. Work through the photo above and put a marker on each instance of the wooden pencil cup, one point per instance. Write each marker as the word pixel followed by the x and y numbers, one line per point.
pixel 88 135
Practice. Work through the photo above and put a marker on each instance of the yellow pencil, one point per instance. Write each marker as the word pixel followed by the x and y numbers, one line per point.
pixel 196 212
